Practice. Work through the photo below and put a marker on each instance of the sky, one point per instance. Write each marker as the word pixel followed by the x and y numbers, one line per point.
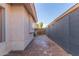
pixel 47 12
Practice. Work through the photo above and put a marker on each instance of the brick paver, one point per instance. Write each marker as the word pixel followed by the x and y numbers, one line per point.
pixel 41 46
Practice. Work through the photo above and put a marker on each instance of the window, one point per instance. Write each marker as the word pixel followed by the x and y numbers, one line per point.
pixel 2 25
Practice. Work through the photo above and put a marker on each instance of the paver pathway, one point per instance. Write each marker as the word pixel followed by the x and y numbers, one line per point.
pixel 41 46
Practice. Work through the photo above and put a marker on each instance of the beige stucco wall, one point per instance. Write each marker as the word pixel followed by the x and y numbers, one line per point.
pixel 30 30
pixel 5 46
pixel 19 26
pixel 17 22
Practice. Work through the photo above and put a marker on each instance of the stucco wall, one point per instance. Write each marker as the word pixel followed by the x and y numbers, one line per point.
pixel 27 27
pixel 20 27
pixel 5 45
pixel 17 24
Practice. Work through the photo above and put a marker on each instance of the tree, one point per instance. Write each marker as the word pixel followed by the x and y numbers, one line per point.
pixel 37 25
pixel 41 25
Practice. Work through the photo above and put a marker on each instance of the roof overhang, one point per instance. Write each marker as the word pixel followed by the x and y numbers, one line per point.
pixel 30 9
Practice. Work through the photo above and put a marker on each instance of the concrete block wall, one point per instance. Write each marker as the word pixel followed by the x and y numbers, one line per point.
pixel 66 32
pixel 74 32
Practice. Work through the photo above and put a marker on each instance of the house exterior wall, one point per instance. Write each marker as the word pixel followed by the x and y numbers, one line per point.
pixel 0 24
pixel 30 31
pixel 5 45
pixel 17 25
